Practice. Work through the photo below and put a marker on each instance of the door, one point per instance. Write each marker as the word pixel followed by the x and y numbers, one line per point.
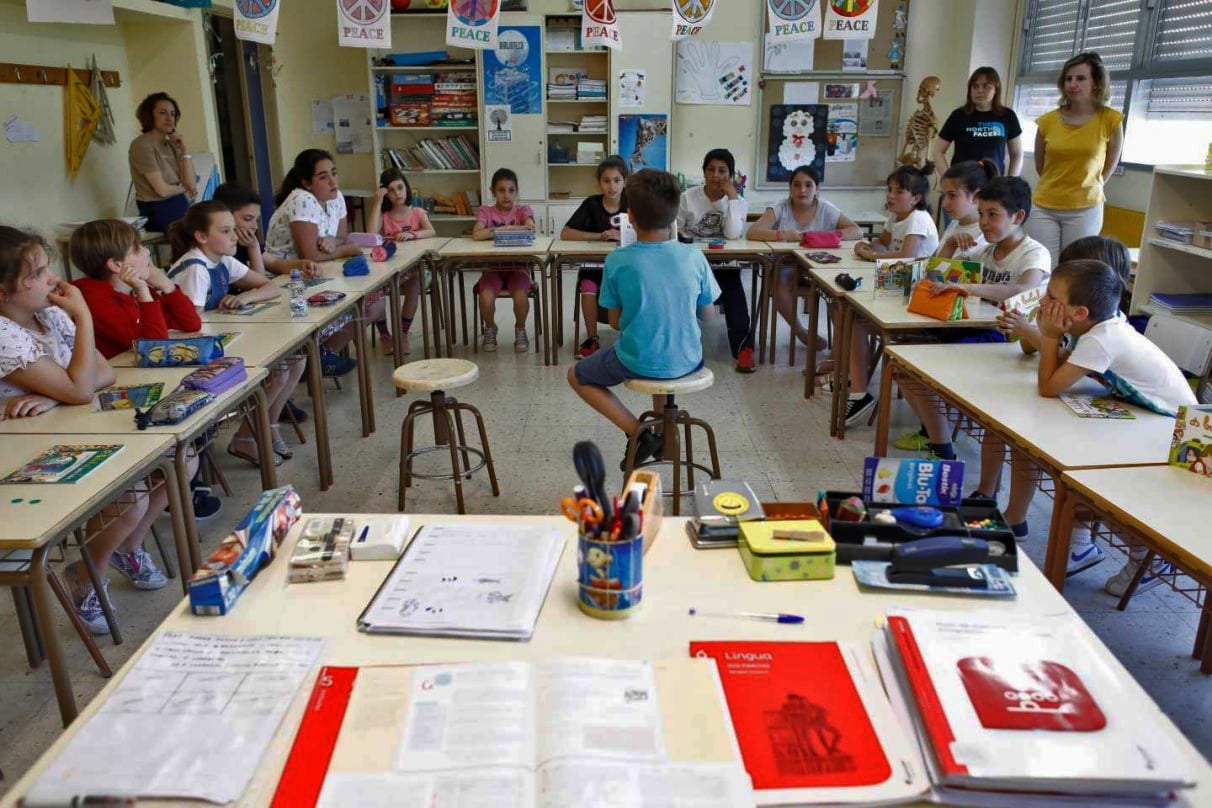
pixel 558 216
pixel 513 76
pixel 258 136
pixel 225 54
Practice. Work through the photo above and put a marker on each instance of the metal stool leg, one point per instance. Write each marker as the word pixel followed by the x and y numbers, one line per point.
pixel 456 409
pixel 689 452
pixel 448 421
pixel 406 435
pixel 492 472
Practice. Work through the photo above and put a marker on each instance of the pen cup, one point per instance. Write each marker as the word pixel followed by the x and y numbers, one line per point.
pixel 610 576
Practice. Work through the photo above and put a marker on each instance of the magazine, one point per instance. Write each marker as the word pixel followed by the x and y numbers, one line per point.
pixel 129 397
pixel 1097 407
pixel 63 464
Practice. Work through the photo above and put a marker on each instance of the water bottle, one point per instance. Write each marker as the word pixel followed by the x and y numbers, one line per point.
pixel 298 294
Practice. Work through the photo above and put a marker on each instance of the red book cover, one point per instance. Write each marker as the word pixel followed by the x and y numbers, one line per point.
pixel 307 765
pixel 799 719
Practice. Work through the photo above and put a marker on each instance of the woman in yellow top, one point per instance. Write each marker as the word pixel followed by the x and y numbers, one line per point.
pixel 1077 147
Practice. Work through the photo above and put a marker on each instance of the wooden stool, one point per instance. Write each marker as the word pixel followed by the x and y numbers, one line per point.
pixel 435 376
pixel 667 422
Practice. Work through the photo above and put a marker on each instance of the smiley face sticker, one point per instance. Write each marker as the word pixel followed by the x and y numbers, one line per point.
pixel 730 503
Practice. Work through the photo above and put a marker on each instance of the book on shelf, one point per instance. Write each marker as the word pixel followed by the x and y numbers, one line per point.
pixel 1182 304
pixel 63 463
pixel 436 154
pixel 590 152
pixel 1026 710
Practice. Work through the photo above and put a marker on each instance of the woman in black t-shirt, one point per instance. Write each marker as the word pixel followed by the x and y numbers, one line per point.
pixel 591 222
pixel 982 129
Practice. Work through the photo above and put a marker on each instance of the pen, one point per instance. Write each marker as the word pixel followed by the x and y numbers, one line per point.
pixel 365 530
pixel 773 617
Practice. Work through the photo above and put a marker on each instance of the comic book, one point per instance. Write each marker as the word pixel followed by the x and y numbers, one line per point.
pixel 65 463
pixel 1191 446
pixel 129 397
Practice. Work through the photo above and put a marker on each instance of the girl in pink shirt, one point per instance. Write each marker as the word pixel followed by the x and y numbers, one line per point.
pixel 394 217
pixel 506 214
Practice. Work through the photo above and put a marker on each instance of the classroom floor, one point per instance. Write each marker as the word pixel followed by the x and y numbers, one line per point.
pixel 767 434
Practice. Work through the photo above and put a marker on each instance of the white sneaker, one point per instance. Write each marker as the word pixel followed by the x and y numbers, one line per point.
pixel 490 339
pixel 521 342
pixel 1082 558
pixel 1117 584
pixel 139 568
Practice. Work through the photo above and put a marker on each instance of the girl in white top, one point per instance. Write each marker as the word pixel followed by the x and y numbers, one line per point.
pixel 205 243
pixel 803 211
pixel 960 184
pixel 47 358
pixel 310 220
pixel 909 231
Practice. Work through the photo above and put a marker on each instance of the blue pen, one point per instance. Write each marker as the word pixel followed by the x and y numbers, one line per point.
pixel 773 617
pixel 365 531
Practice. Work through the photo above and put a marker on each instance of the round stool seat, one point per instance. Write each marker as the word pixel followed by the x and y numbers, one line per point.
pixel 435 374
pixel 701 379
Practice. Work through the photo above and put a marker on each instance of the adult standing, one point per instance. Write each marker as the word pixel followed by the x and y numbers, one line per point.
pixel 1077 147
pixel 161 167
pixel 982 129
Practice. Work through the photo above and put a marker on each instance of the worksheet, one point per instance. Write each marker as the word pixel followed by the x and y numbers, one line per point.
pixel 482 788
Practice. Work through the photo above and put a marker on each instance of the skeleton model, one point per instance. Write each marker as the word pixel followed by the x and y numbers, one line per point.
pixel 645 132
pixel 921 126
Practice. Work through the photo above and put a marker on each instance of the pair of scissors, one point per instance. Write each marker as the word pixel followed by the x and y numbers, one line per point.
pixel 583 511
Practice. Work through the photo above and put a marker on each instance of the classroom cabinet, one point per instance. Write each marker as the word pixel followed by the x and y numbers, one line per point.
pixel 559 214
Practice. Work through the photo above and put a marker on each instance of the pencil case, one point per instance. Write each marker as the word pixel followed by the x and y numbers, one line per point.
pixel 364 239
pixel 171 353
pixel 384 252
pixel 222 374
pixel 821 239
pixel 950 305
pixel 355 266
pixel 174 409
pixel 325 298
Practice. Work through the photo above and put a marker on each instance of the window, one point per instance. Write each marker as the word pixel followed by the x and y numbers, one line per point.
pixel 1159 53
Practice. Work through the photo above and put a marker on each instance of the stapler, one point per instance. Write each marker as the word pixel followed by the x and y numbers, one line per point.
pixel 943 561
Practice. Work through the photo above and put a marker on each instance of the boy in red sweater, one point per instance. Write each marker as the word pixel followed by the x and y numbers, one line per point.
pixel 128 296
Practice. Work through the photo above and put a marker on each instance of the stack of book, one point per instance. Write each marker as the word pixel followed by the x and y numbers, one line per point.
pixel 1015 710
pixel 591 90
pixel 442 153
pixel 561 127
pixel 1182 305
pixel 561 92
pixel 460 203
pixel 592 124
pixel 412 96
pixel 590 152
pixel 454 100
pixel 512 238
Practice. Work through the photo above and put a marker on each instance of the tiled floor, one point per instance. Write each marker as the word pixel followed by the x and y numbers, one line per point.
pixel 768 434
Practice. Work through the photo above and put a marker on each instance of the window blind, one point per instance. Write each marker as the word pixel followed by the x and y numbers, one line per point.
pixel 1184 31
pixel 1179 98
pixel 1051 34
pixel 1111 31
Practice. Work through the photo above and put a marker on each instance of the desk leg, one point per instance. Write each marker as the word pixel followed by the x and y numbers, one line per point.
pixel 366 401
pixel 814 305
pixel 1203 643
pixel 755 321
pixel 172 488
pixel 43 611
pixel 396 317
pixel 315 381
pixel 1060 534
pixel 555 307
pixel 422 303
pixel 841 370
pixel 265 448
pixel 448 290
pixel 884 410
pixel 187 501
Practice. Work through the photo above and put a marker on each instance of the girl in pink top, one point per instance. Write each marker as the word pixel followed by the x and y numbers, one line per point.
pixel 394 217
pixel 506 214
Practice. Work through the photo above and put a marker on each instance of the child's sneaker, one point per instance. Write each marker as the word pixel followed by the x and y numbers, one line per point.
pixel 90 612
pixel 206 504
pixel 857 408
pixel 648 445
pixel 1082 558
pixel 521 342
pixel 744 361
pixel 489 343
pixel 588 348
pixel 404 346
pixel 139 568
pixel 333 365
pixel 913 441
pixel 1117 584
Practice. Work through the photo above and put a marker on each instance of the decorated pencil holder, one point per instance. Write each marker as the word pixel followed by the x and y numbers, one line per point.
pixel 610 576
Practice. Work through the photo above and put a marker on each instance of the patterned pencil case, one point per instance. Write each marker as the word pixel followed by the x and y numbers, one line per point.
pixel 326 298
pixel 174 409
pixel 171 353
pixel 222 374
pixel 364 239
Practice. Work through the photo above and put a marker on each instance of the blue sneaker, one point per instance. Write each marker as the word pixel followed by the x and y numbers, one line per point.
pixel 333 364
pixel 139 568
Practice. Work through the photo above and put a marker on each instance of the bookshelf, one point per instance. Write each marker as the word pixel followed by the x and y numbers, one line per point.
pixel 581 122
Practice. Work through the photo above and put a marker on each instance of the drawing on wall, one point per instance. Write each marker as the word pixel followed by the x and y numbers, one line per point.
pixel 798 136
pixel 513 70
pixel 643 142
pixel 714 72
pixel 842 140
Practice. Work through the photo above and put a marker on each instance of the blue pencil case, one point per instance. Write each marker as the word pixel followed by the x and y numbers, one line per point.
pixel 171 353
pixel 353 267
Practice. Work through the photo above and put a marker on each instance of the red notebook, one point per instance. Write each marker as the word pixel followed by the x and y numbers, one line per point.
pixel 799 718
pixel 307 766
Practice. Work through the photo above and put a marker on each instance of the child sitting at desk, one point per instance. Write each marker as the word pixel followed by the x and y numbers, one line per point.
pixel 654 289
pixel 393 216
pixel 204 245
pixel 591 222
pixel 47 358
pixel 716 210
pixel 505 214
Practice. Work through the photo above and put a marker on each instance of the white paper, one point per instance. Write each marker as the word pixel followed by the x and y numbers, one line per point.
pixel 851 20
pixel 843 130
pixel 801 92
pixel 483 788
pixel 89 12
pixel 601 784
pixel 191 720
pixel 364 23
pixel 256 20
pixel 321 116
pixel 498 123
pixel 632 88
pixel 351 121
pixel 18 131
pixel 711 72
pixel 787 55
pixel 469 580
pixel 854 54
pixel 875 115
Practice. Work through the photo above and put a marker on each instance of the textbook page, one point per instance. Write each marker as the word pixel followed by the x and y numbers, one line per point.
pixel 192 719
pixel 595 783
pixel 482 788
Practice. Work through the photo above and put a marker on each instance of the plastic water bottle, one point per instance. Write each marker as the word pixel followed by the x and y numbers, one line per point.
pixel 298 294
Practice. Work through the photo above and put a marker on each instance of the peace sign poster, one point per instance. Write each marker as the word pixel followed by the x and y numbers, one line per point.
pixel 794 19
pixel 364 23
pixel 256 20
pixel 851 19
pixel 472 23
pixel 690 17
pixel 599 24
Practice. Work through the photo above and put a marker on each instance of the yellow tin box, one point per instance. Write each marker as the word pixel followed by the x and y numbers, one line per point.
pixel 776 559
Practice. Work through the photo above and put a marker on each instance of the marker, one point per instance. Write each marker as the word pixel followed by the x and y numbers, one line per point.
pixel 365 530
pixel 773 617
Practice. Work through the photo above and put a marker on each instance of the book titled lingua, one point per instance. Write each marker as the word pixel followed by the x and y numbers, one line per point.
pixel 1031 705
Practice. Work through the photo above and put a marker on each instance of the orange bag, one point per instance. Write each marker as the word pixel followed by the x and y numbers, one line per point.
pixel 950 305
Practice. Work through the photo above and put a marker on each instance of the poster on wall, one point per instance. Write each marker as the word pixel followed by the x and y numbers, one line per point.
pixel 643 141
pixel 842 140
pixel 631 88
pixel 690 17
pixel 851 19
pixel 351 121
pixel 714 72
pixel 513 70
pixel 794 19
pixel 500 123
pixel 364 23
pixel 798 136
pixel 875 115
pixel 599 24
pixel 256 20
pixel 854 54
pixel 472 23
pixel 787 55
pixel 89 12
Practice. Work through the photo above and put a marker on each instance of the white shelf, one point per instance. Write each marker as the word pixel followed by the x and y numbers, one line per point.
pixel 577 100
pixel 572 165
pixel 443 170
pixel 424 68
pixel 1170 244
pixel 427 128
pixel 1200 320
pixel 450 217
pixel 1194 172
pixel 580 134
pixel 595 52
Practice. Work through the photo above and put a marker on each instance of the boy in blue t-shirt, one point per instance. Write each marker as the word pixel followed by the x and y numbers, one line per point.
pixel 656 290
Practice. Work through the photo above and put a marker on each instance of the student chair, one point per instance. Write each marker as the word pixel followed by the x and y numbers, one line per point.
pixel 667 423
pixel 478 326
pixel 603 318
pixel 435 376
